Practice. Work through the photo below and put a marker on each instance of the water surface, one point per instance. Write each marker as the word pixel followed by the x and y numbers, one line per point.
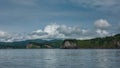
pixel 59 58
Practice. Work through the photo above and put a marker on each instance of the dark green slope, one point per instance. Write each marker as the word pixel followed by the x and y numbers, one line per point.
pixel 106 42
pixel 111 42
pixel 22 44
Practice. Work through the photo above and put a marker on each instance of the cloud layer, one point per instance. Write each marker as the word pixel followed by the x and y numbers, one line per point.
pixel 102 27
pixel 51 31
pixel 102 32
pixel 56 31
pixel 103 5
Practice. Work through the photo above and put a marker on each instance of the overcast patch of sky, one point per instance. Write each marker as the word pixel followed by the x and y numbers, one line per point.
pixel 30 15
pixel 42 10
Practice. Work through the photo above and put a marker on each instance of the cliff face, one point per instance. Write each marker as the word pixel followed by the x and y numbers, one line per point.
pixel 69 44
pixel 29 46
pixel 47 46
pixel 117 43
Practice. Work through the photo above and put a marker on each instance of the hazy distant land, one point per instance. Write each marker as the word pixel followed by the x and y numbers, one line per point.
pixel 111 42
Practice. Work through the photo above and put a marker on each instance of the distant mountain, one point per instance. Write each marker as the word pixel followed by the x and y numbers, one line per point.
pixel 22 44
pixel 111 42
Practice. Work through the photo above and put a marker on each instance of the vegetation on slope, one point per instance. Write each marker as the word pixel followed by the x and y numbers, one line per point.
pixel 111 42
pixel 106 42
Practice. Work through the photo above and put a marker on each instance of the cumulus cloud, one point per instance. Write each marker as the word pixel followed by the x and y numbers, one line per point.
pixel 102 33
pixel 54 31
pixel 102 24
pixel 102 27
pixel 4 36
pixel 10 37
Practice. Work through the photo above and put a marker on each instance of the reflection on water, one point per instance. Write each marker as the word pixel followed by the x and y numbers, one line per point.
pixel 50 59
pixel 59 58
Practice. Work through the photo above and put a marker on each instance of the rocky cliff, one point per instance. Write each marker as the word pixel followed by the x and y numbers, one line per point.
pixel 69 44
pixel 29 46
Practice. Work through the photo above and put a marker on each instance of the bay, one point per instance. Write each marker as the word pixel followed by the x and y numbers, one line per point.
pixel 59 58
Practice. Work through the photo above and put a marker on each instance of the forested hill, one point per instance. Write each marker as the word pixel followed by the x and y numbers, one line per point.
pixel 106 42
pixel 111 42
pixel 36 42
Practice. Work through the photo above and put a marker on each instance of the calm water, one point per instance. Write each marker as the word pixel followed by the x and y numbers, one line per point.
pixel 59 58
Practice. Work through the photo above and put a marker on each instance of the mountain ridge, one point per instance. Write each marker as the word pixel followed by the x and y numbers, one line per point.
pixel 110 42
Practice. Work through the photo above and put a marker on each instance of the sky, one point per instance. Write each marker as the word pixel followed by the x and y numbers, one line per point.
pixel 58 19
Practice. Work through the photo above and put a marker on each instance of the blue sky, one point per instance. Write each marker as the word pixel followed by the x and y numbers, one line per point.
pixel 46 19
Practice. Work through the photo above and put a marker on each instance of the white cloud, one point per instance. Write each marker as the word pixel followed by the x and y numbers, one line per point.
pixel 54 31
pixel 102 33
pixel 4 36
pixel 102 27
pixel 2 33
pixel 102 24
pixel 51 29
pixel 10 37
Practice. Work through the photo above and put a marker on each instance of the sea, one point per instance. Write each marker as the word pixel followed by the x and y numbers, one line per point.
pixel 59 58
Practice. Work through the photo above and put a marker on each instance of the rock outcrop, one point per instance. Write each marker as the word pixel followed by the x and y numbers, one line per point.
pixel 69 44
pixel 29 46
pixel 116 43
pixel 47 46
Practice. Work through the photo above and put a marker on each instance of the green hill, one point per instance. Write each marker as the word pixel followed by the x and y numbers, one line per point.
pixel 111 42
pixel 22 44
